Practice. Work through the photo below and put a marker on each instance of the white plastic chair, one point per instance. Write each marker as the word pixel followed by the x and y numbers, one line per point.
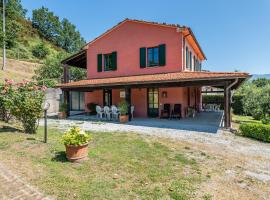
pixel 115 112
pixel 132 111
pixel 107 112
pixel 99 112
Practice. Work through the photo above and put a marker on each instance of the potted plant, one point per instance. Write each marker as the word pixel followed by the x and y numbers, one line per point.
pixel 76 143
pixel 123 110
pixel 62 114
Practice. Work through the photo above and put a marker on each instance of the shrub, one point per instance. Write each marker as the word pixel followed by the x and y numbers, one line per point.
pixel 40 51
pixel 257 131
pixel 92 107
pixel 75 136
pixel 6 100
pixel 237 104
pixel 123 108
pixel 214 99
pixel 24 102
pixel 62 107
pixel 266 119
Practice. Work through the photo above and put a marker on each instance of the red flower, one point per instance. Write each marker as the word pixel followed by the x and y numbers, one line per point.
pixel 9 81
pixel 43 88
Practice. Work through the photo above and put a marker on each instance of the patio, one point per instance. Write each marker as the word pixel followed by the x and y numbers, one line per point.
pixel 208 122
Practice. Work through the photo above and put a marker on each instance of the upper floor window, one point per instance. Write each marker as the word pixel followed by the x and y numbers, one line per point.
pixel 187 58
pixel 190 60
pixel 152 56
pixel 107 62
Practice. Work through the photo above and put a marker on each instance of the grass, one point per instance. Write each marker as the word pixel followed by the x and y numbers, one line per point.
pixel 239 119
pixel 120 166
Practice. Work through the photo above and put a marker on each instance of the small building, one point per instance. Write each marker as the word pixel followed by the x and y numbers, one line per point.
pixel 147 64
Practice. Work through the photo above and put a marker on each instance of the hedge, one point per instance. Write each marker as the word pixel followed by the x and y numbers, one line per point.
pixel 257 131
pixel 237 104
pixel 214 99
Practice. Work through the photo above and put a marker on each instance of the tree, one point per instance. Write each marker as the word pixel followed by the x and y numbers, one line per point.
pixel 62 34
pixel 70 39
pixel 261 82
pixel 14 9
pixel 40 51
pixel 256 98
pixel 53 70
pixel 47 23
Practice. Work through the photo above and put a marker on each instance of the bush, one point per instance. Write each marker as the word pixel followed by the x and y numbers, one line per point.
pixel 24 102
pixel 266 119
pixel 237 104
pixel 92 108
pixel 214 99
pixel 257 131
pixel 75 136
pixel 40 51
pixel 63 107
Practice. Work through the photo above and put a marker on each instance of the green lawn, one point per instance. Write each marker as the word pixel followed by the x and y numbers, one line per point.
pixel 120 166
pixel 239 119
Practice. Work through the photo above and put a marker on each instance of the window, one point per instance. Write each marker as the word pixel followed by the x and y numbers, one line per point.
pixel 190 60
pixel 108 62
pixel 194 63
pixel 187 59
pixel 152 57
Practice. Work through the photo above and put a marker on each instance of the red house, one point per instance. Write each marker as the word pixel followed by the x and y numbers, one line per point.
pixel 148 64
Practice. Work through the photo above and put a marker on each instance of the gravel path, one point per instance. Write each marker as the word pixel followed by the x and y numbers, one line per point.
pixel 221 140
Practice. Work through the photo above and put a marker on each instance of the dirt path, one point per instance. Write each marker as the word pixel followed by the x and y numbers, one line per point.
pixel 13 187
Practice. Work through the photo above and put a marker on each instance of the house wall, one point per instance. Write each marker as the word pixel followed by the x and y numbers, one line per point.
pixel 93 97
pixel 139 100
pixel 175 95
pixel 127 40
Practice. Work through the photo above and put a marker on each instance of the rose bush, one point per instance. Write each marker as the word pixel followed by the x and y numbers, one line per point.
pixel 23 101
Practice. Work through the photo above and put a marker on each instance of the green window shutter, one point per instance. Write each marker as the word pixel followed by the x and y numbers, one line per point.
pixel 99 62
pixel 143 57
pixel 162 54
pixel 114 60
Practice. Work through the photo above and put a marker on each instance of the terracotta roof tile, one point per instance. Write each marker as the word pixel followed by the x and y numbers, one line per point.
pixel 155 78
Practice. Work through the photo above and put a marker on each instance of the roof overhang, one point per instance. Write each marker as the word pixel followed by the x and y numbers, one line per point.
pixel 189 35
pixel 180 79
pixel 76 60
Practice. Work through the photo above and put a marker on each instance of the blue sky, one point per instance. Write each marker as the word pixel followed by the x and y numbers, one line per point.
pixel 234 34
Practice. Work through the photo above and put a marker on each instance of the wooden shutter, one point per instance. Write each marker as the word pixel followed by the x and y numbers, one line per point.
pixel 143 57
pixel 99 62
pixel 162 54
pixel 114 60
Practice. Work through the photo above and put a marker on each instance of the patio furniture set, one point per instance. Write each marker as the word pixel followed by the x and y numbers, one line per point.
pixel 211 107
pixel 169 113
pixel 110 113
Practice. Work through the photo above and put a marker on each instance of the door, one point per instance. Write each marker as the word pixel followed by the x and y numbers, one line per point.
pixel 107 97
pixel 76 101
pixel 153 110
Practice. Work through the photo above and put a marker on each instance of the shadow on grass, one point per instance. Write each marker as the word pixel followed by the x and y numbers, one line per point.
pixel 60 156
pixel 7 128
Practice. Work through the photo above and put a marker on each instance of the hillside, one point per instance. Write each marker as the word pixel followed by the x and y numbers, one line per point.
pixel 29 37
pixel 18 70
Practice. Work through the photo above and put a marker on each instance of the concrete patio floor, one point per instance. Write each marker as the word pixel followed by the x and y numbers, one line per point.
pixel 208 122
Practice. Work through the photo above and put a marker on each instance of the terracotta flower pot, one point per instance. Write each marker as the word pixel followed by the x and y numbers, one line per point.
pixel 123 118
pixel 62 115
pixel 76 153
